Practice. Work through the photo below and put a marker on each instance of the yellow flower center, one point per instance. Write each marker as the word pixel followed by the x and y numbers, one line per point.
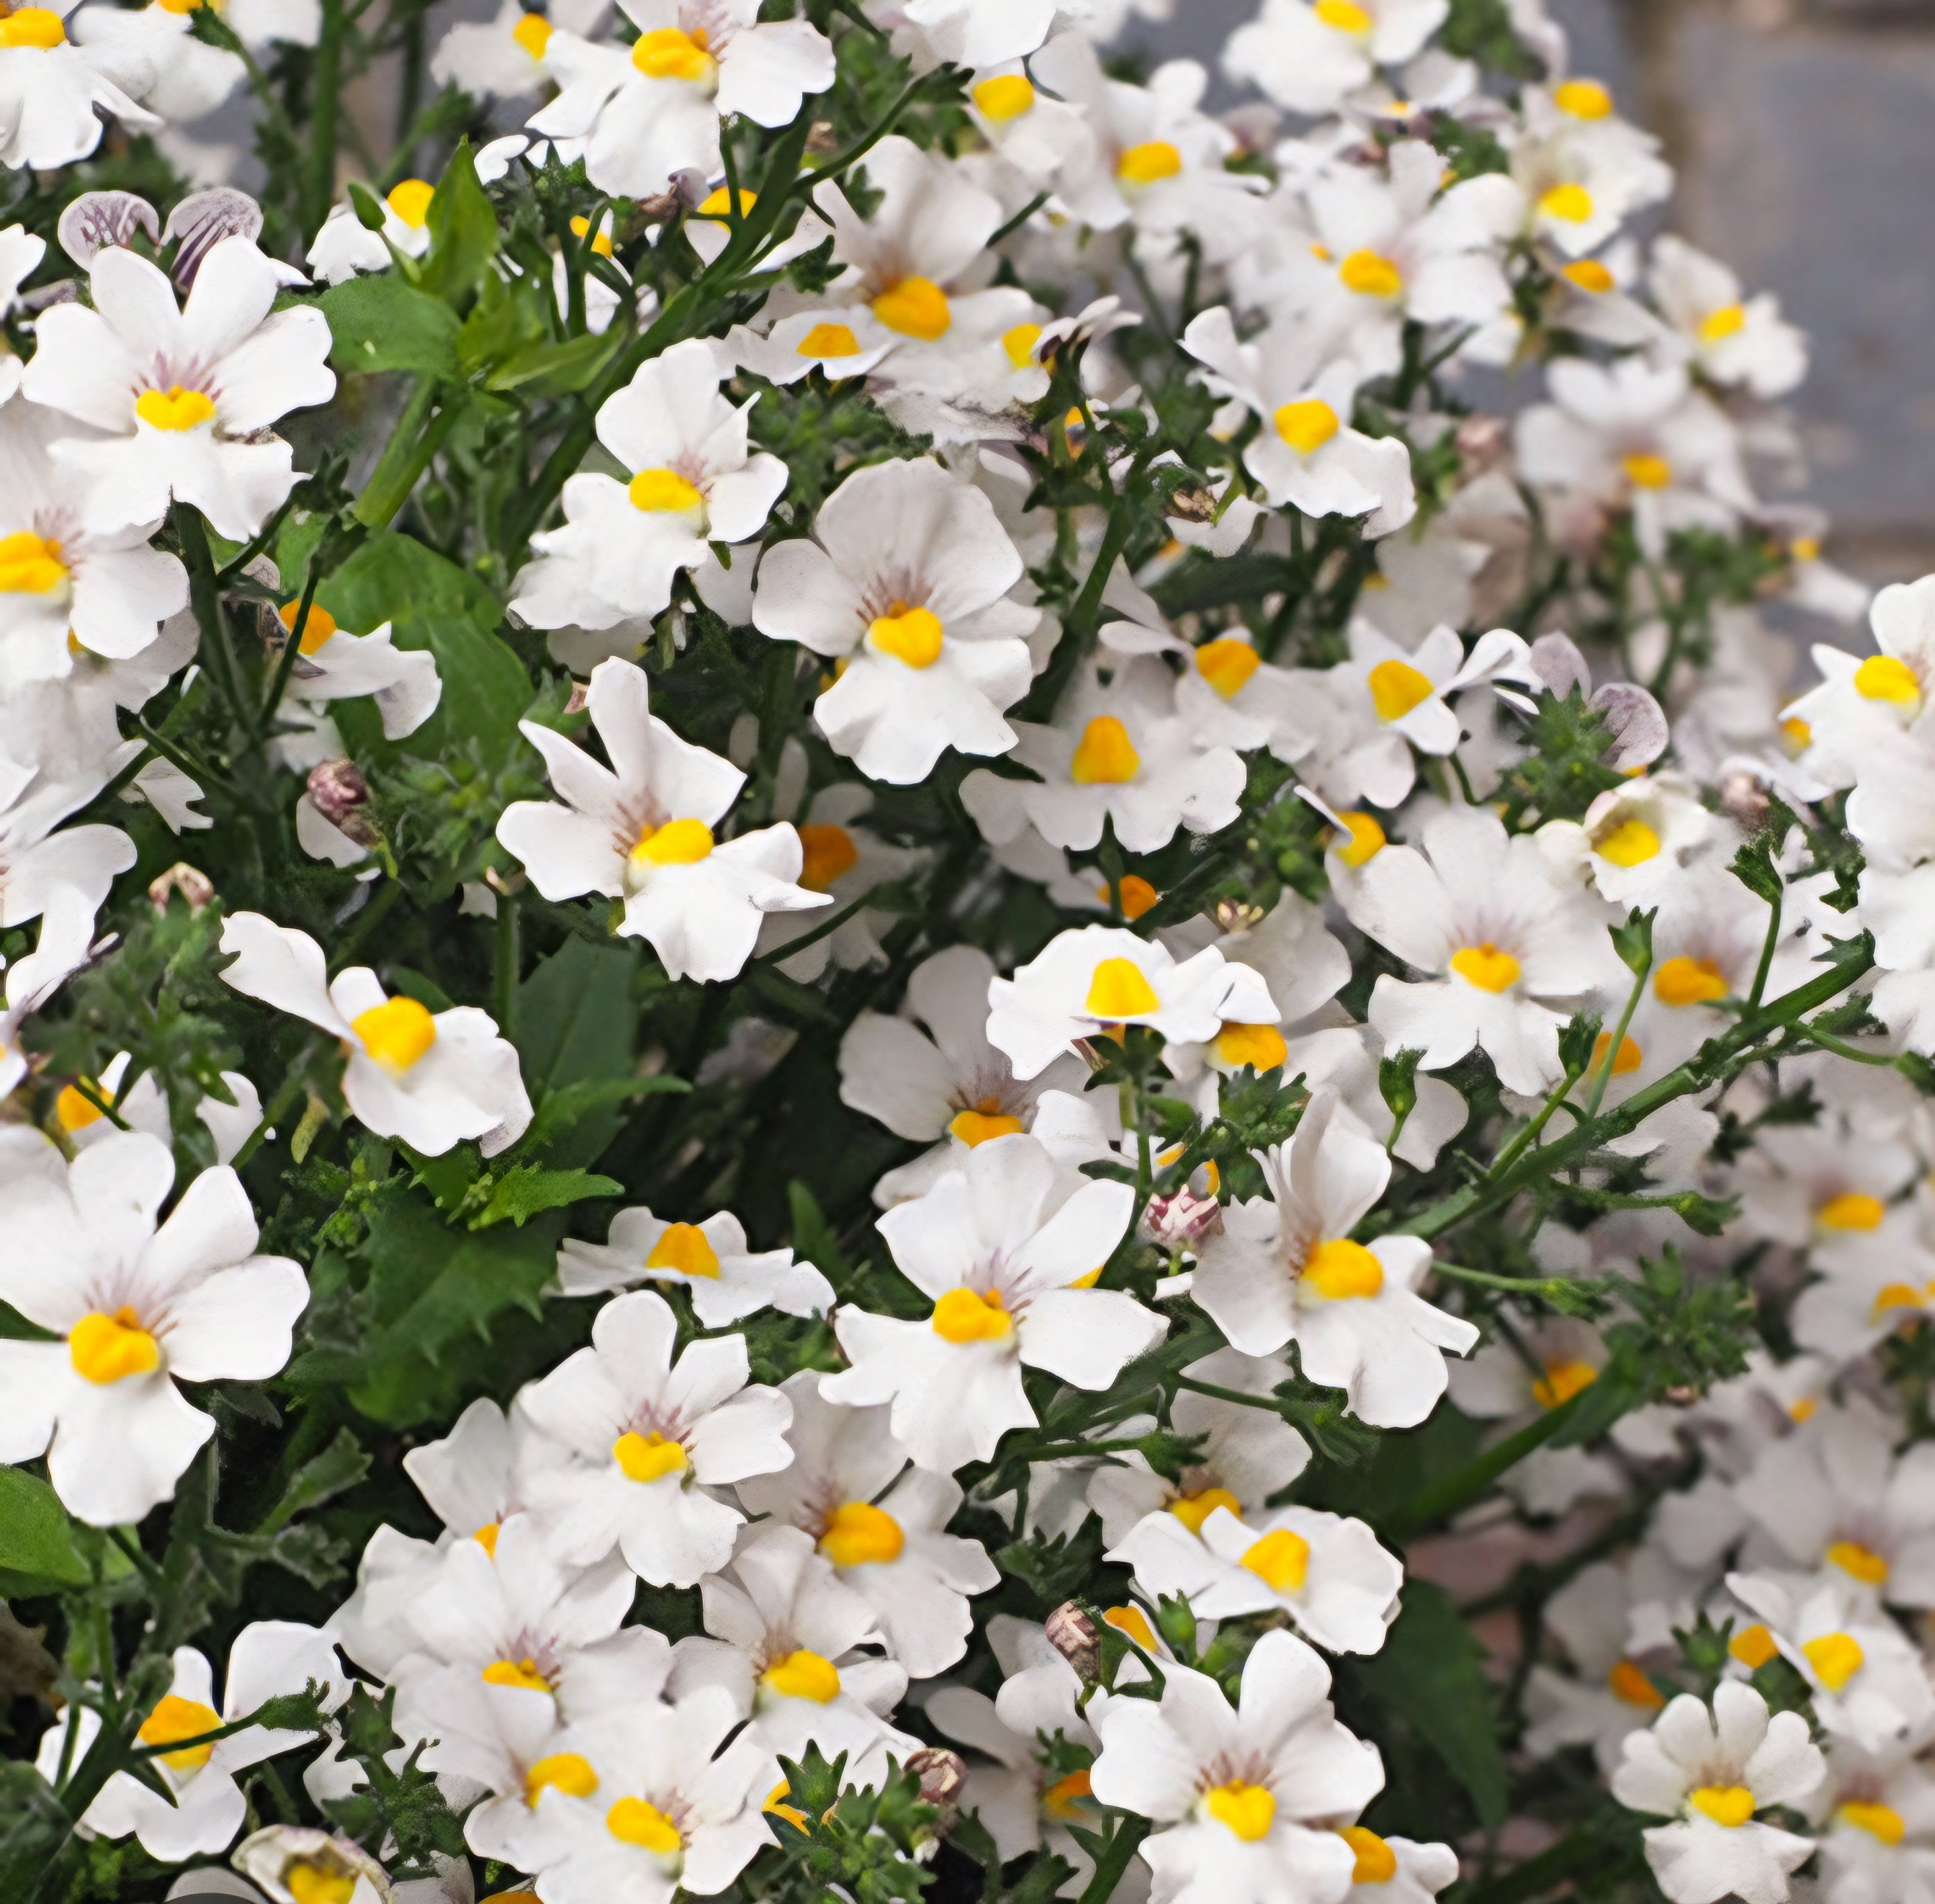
pixel 1853 1209
pixel 1005 96
pixel 1345 15
pixel 1727 321
pixel 1628 1683
pixel 74 1112
pixel 1145 164
pixel 1119 990
pixel 677 843
pixel 1885 677
pixel 1627 1059
pixel 410 201
pixel 1570 203
pixel 1337 1269
pixel 717 203
pixel 1059 1800
pixel 648 1457
pixel 1835 1658
pixel 1370 274
pixel 1753 1646
pixel 911 635
pixel 320 625
pixel 176 1718
pixel 315 1883
pixel 1590 275
pixel 1306 425
pixel 1396 687
pixel 682 1249
pixel 1860 1563
pixel 486 1537
pixel 533 33
pixel 859 1534
pixel 1105 755
pixel 976 1127
pixel 1193 1510
pixel 1877 1820
pixel 1731 1805
pixel 802 1675
pixel 1583 98
pixel 522 1673
pixel 776 1805
pixel 966 1315
pixel 1281 1560
pixel 1247 1810
pixel 667 53
pixel 396 1033
pixel 1018 344
pixel 825 340
pixel 32 26
pixel 1365 839
pixel 1685 981
pixel 663 492
pixel 1632 843
pixel 916 307
pixel 104 1348
pixel 1562 1380
pixel 1226 664
pixel 172 409
pixel 1134 1623
pixel 601 244
pixel 1377 1863
pixel 30 564
pixel 1900 1295
pixel 566 1771
pixel 1644 470
pixel 828 852
pixel 1260 1046
pixel 1486 966
pixel 1135 896
pixel 635 1821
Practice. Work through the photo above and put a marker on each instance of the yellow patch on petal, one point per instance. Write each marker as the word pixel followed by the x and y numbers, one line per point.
pixel 683 1249
pixel 1859 1562
pixel 1226 664
pixel 316 630
pixel 1628 1683
pixel 825 340
pixel 667 53
pixel 176 1718
pixel 1753 1646
pixel 172 409
pixel 1338 1269
pixel 911 635
pixel 1345 16
pixel 1260 1046
pixel 648 1457
pixel 663 492
pixel 1193 1510
pixel 1802 1411
pixel 30 564
pixel 1396 687
pixel 1486 966
pixel 717 203
pixel 1364 842
pixel 1135 896
pixel 396 1033
pixel 1589 275
pixel 677 843
pixel 1059 1800
pixel 1727 321
pixel 533 32
pixel 74 1112
pixel 915 307
pixel 1835 1658
pixel 1119 990
pixel 1005 96
pixel 974 1127
pixel 1570 203
pixel 1644 470
pixel 1886 677
pixel 1853 1209
pixel 776 1805
pixel 569 1773
pixel 410 201
pixel 802 1675
pixel 1105 755
pixel 522 1673
pixel 1247 1810
pixel 1306 425
pixel 828 852
pixel 486 1537
pixel 1018 344
pixel 32 26
pixel 1685 981
pixel 1562 1380
pixel 1281 1560
pixel 1377 1863
pixel 1145 164
pixel 1370 274
pixel 105 1349
pixel 1731 1805
pixel 601 244
pixel 638 1823
pixel 965 1315
pixel 1877 1820
pixel 1897 1295
pixel 1628 1059
pixel 859 1534
pixel 1134 1622
pixel 1632 843
pixel 312 1883
pixel 1582 99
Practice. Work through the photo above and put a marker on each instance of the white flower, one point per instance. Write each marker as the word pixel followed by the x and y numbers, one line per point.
pixel 965 32
pixel 1862 704
pixel 1480 913
pixel 726 1280
pixel 204 1808
pixel 1731 341
pixel 151 54
pixel 1710 1772
pixel 137 1309
pixel 1007 1248
pixel 641 113
pixel 641 830
pixel 1229 1791
pixel 1636 841
pixel 59 877
pixel 1583 170
pixel 1613 1697
pixel 652 1438
pixel 906 582
pixel 182 396
pixel 430 1078
pixel 49 91
pixel 1283 1269
pixel 344 246
pixel 1090 982
pixel 884 1530
pixel 1308 55
pixel 334 665
pixel 503 59
pixel 694 483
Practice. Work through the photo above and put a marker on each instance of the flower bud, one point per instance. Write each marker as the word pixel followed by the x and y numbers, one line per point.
pixel 1177 1220
pixel 1072 1633
pixel 193 885
pixel 942 1773
pixel 339 792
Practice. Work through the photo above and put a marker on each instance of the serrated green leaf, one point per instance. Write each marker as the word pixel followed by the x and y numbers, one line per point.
pixel 526 1191
pixel 555 370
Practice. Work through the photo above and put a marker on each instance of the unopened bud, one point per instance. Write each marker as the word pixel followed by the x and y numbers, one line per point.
pixel 1072 1633
pixel 193 885
pixel 942 1773
pixel 1237 916
pixel 1745 798
pixel 507 885
pixel 339 792
pixel 822 140
pixel 1176 1221
pixel 581 697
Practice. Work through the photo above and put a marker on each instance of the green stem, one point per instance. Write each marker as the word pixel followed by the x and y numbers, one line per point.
pixel 1127 1835
pixel 1460 1489
pixel 418 438
pixel 205 596
pixel 1617 1041
pixel 831 923
pixel 1767 946
pixel 504 976
pixel 1515 1149
pixel 292 646
pixel 325 105
pixel 280 1106
pixel 1543 1287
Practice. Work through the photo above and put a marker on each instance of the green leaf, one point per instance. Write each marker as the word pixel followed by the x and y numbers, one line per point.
pixel 36 1538
pixel 574 1024
pixel 379 323
pixel 462 231
pixel 555 370
pixel 1432 1671
pixel 525 1191
pixel 339 1466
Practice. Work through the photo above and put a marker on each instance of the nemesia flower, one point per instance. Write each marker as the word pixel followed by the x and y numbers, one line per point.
pixel 1732 341
pixel 726 1280
pixel 1862 704
pixel 652 1438
pixel 1310 56
pixel 1636 841
pixel 503 57
pixel 50 89
pixel 344 247
pixel 431 1078
pixel 181 397
pixel 334 665
pixel 151 54
pixel 136 1308
pixel 1583 170
pixel 58 875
